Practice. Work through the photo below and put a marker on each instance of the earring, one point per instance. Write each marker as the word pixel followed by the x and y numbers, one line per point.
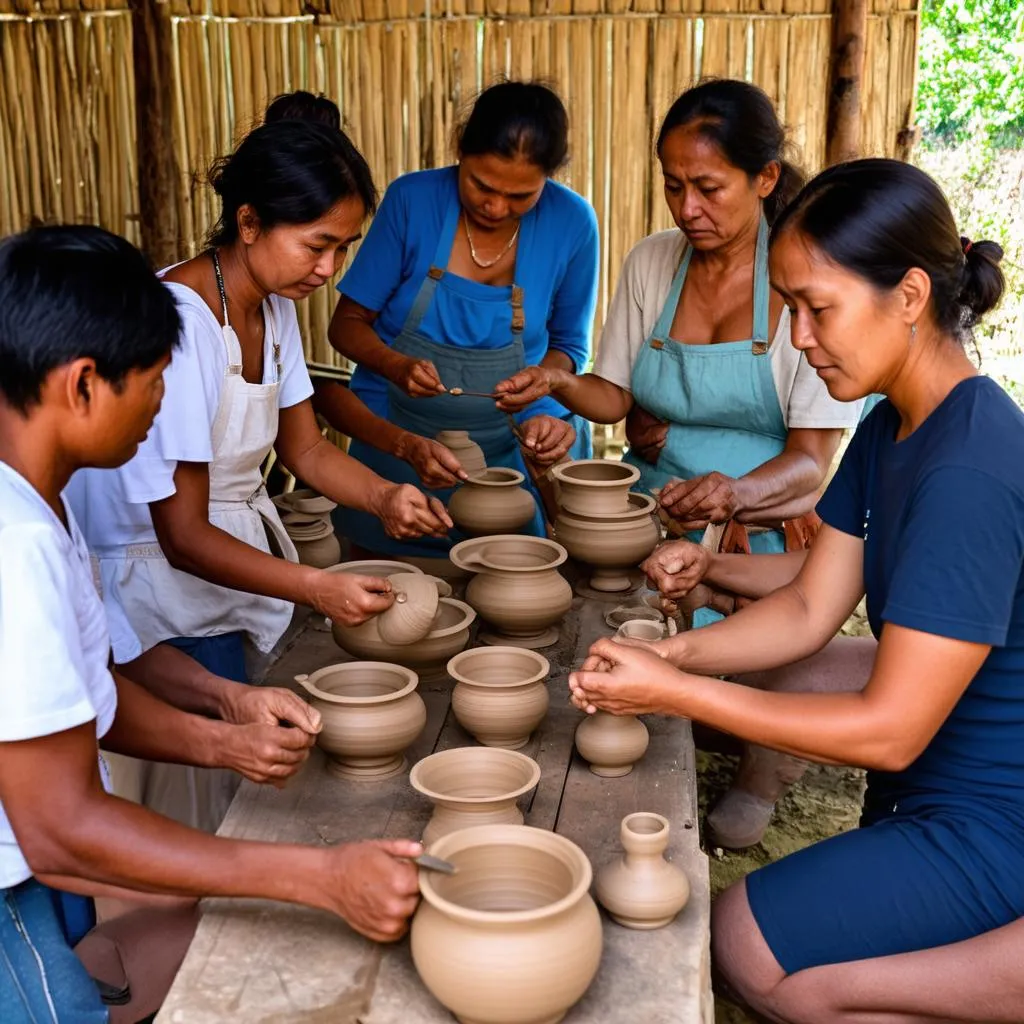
pixel 913 331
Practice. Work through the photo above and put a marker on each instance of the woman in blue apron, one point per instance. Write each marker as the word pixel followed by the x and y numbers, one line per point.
pixel 468 274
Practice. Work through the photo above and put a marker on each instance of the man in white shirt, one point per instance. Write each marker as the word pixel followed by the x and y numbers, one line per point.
pixel 86 331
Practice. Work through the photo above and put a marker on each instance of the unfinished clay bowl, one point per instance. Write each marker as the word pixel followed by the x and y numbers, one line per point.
pixel 411 616
pixel 643 629
pixel 611 744
pixel 513 936
pixel 492 501
pixel 612 543
pixel 464 448
pixel 594 486
pixel 500 695
pixel 371 713
pixel 473 786
pixel 517 587
pixel 642 889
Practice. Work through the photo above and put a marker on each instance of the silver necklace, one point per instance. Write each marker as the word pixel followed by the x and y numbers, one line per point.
pixel 484 264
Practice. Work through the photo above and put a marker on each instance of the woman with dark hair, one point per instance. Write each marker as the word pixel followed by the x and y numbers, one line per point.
pixel 185 530
pixel 303 106
pixel 467 274
pixel 925 516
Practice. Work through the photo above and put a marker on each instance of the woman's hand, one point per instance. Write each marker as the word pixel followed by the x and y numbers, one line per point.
pixel 625 678
pixel 436 466
pixel 547 438
pixel 646 434
pixel 518 391
pixel 408 513
pixel 349 599
pixel 712 498
pixel 677 567
pixel 418 378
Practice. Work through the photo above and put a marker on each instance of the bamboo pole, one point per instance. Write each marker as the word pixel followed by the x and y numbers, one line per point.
pixel 843 133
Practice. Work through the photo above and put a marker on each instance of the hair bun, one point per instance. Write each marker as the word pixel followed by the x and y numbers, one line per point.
pixel 983 281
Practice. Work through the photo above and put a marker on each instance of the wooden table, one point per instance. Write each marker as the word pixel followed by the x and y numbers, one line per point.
pixel 259 962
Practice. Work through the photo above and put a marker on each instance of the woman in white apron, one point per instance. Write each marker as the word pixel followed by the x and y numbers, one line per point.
pixel 186 534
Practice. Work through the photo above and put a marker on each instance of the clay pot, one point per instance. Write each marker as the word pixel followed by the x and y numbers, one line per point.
pixel 643 629
pixel 412 615
pixel 517 589
pixel 314 539
pixel 611 744
pixel 473 786
pixel 500 696
pixel 464 448
pixel 594 486
pixel 613 543
pixel 642 889
pixel 371 713
pixel 513 937
pixel 492 501
pixel 380 568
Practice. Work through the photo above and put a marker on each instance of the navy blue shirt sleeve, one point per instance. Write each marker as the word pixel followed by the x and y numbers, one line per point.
pixel 377 270
pixel 572 309
pixel 843 504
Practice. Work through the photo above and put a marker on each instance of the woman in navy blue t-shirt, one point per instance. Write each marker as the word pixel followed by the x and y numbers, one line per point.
pixel 910 917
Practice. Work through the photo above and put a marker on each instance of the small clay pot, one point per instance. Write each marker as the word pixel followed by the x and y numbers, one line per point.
pixel 642 629
pixel 594 486
pixel 371 713
pixel 500 696
pixel 513 937
pixel 473 786
pixel 492 501
pixel 411 616
pixel 464 448
pixel 315 540
pixel 642 889
pixel 611 744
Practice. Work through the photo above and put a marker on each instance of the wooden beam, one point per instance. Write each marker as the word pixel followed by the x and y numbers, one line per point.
pixel 846 75
pixel 154 131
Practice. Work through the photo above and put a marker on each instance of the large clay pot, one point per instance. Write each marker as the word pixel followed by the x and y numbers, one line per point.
pixel 492 501
pixel 315 540
pixel 513 936
pixel 589 487
pixel 517 589
pixel 473 786
pixel 500 696
pixel 611 744
pixel 642 889
pixel 464 448
pixel 613 543
pixel 371 712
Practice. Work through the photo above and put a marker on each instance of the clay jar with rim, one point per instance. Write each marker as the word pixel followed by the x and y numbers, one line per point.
pixel 492 501
pixel 473 786
pixel 464 448
pixel 517 587
pixel 611 744
pixel 371 713
pixel 642 889
pixel 315 540
pixel 513 937
pixel 589 487
pixel 611 543
pixel 500 695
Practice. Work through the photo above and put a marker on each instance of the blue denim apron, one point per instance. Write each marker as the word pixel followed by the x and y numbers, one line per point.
pixel 719 400
pixel 472 369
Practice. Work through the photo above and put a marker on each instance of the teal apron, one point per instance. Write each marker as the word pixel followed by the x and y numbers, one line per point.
pixel 472 369
pixel 719 400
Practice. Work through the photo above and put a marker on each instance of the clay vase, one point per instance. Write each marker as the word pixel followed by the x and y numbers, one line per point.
pixel 589 487
pixel 371 713
pixel 517 589
pixel 611 744
pixel 412 615
pixel 315 540
pixel 513 937
pixel 612 543
pixel 500 695
pixel 642 629
pixel 473 786
pixel 464 448
pixel 492 501
pixel 642 889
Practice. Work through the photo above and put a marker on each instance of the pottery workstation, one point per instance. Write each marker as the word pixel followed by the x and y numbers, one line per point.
pixel 448 718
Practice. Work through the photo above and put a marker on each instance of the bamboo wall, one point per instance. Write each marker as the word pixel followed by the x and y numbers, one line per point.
pixel 402 70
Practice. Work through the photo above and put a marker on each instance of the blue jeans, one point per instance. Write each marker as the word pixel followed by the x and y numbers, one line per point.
pixel 41 979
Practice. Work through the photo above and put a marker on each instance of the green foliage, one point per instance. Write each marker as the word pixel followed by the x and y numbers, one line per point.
pixel 971 81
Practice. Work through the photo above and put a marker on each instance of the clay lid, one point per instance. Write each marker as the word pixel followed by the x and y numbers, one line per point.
pixel 411 616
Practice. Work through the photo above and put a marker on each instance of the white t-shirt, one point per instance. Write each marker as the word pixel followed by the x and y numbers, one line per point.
pixel 638 301
pixel 54 645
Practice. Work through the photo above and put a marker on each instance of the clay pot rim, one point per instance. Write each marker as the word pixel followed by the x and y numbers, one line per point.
pixel 509 835
pixel 313 527
pixel 458 553
pixel 642 505
pixel 508 477
pixel 467 620
pixel 641 621
pixel 310 682
pixel 563 473
pixel 542 663
pixel 357 567
pixel 631 819
pixel 512 757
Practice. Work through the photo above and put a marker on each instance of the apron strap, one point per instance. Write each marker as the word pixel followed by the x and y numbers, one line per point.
pixel 272 348
pixel 762 292
pixel 424 297
pixel 663 328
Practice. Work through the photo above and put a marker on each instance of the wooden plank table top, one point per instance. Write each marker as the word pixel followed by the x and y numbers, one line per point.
pixel 259 962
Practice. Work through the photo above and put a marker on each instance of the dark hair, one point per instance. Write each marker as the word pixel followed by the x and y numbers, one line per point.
pixel 741 121
pixel 879 218
pixel 304 106
pixel 517 119
pixel 289 172
pixel 76 292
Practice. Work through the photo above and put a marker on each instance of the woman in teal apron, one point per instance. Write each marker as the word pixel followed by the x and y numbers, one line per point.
pixel 468 274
